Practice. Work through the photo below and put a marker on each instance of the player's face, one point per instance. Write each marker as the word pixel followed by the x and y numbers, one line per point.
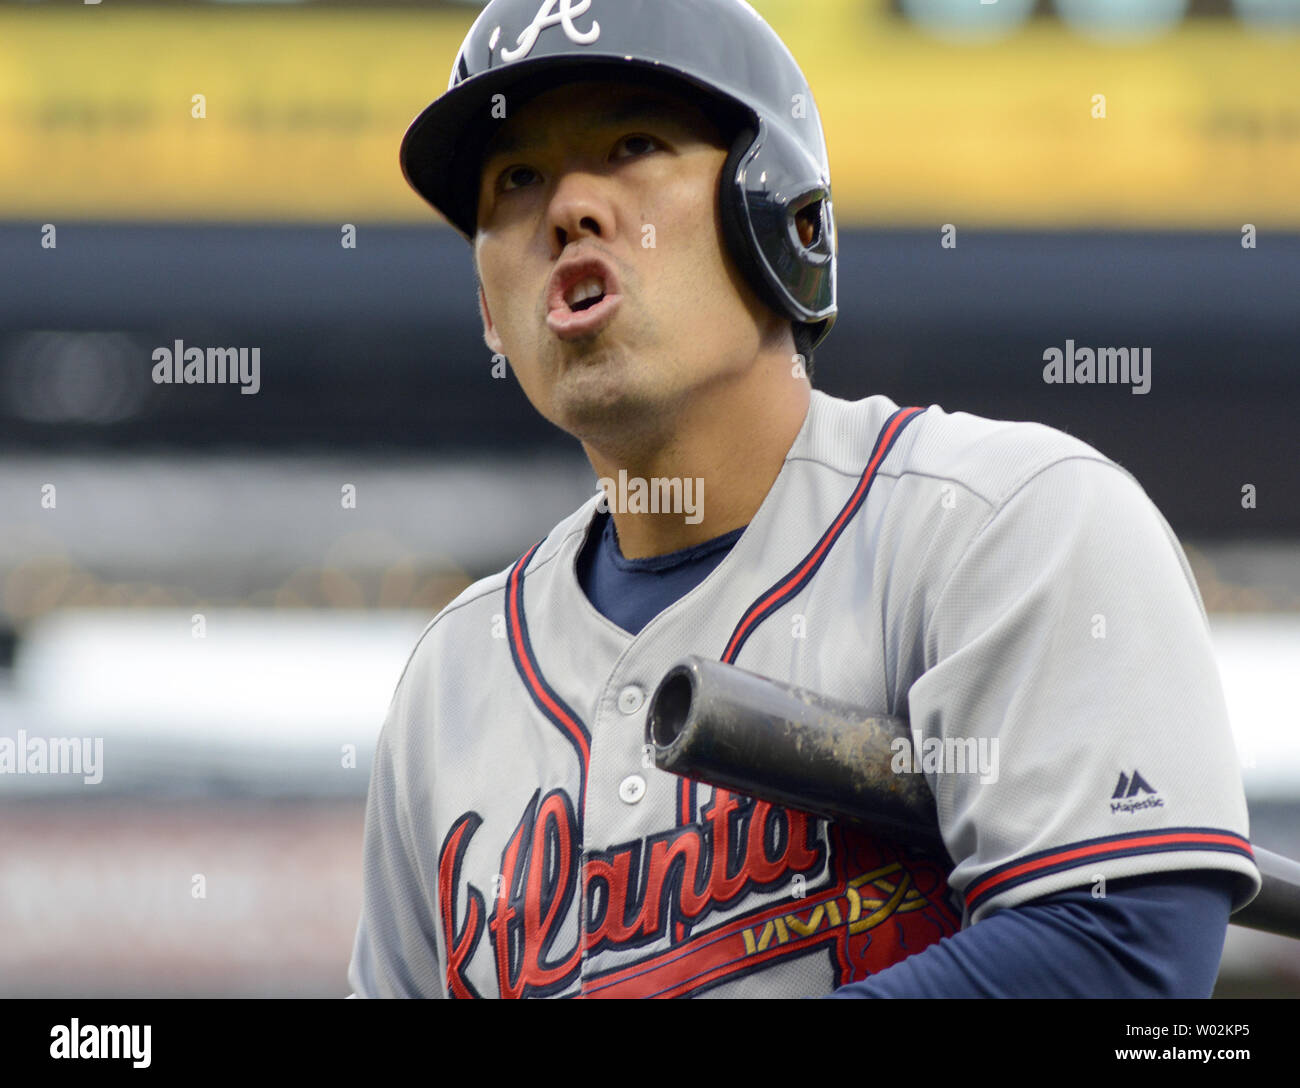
pixel 605 279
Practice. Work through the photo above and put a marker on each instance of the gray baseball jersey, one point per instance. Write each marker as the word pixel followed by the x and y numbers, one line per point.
pixel 1004 585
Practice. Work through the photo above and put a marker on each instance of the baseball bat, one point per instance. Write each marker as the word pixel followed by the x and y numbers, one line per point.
pixel 726 727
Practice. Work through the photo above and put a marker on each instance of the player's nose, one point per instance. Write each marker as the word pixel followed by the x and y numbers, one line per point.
pixel 580 208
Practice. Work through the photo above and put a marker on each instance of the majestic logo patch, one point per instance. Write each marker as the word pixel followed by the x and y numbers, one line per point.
pixel 547 16
pixel 1125 797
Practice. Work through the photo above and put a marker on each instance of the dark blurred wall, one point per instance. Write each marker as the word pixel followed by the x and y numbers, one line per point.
pixel 379 347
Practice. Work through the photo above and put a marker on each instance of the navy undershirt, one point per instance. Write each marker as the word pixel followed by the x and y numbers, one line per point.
pixel 632 592
pixel 1157 935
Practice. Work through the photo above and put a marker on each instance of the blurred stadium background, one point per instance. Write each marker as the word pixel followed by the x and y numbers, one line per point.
pixel 243 756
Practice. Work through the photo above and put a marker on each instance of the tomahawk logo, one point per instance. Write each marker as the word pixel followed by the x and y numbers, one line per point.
pixel 1125 797
pixel 548 16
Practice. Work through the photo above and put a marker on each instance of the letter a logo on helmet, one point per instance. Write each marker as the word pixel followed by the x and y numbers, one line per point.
pixel 775 193
pixel 545 18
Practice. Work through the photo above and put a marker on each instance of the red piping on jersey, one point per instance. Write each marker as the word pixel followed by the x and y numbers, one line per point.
pixel 884 444
pixel 555 709
pixel 1122 845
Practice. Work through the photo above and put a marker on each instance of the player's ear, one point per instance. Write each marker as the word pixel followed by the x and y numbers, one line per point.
pixel 490 336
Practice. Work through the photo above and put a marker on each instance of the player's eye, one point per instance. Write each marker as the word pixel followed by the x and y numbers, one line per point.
pixel 515 177
pixel 636 143
pixel 630 146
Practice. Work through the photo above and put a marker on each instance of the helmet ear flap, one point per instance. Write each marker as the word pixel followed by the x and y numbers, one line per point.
pixel 740 245
pixel 735 230
pixel 779 224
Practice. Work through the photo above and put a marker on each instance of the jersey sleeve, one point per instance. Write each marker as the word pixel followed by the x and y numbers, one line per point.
pixel 1154 936
pixel 1070 718
pixel 395 951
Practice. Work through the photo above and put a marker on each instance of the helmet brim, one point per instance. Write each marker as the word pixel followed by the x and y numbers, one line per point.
pixel 442 150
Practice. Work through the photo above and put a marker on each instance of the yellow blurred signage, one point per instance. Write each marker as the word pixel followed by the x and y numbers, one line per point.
pixel 291 114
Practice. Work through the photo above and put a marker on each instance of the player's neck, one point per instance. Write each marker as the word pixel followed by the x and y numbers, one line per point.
pixel 719 463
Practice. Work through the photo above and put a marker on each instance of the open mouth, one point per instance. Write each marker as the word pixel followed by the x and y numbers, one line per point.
pixel 585 294
pixel 582 298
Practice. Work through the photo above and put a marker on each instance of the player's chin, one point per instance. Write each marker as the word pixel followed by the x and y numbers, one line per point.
pixel 599 345
pixel 599 395
pixel 604 357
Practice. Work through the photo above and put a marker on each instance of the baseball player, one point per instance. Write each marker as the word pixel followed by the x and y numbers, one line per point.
pixel 646 190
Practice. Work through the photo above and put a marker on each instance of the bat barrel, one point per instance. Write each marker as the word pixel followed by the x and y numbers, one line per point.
pixel 1277 907
pixel 748 734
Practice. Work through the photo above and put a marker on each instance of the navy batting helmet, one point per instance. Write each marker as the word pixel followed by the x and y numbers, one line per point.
pixel 775 193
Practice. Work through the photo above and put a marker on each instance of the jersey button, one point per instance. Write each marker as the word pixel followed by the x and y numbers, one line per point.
pixel 632 789
pixel 631 699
